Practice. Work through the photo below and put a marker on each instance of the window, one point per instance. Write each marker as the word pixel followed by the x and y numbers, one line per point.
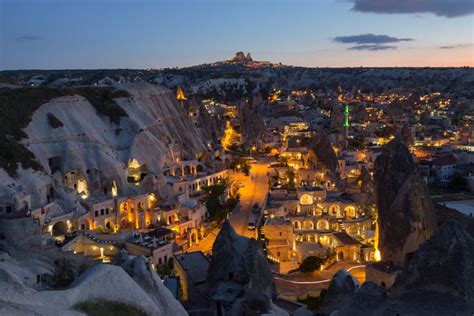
pixel 102 212
pixel 1 208
pixel 96 213
pixel 8 209
pixel 107 211
pixel 281 233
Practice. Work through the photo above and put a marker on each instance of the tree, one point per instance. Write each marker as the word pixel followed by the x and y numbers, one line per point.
pixel 311 264
pixel 64 273
pixel 241 164
pixel 216 203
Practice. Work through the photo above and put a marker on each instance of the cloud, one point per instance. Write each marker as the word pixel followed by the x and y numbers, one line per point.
pixel 455 46
pixel 444 8
pixel 369 39
pixel 372 47
pixel 27 38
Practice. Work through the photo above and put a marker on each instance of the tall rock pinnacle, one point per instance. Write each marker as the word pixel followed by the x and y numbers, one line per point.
pixel 406 215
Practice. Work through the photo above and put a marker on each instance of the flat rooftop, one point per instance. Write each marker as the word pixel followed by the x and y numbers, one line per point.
pixel 195 264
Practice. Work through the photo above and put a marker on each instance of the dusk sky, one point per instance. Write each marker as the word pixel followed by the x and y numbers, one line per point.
pixel 55 34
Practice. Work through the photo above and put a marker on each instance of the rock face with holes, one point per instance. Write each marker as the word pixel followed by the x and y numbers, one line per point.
pixel 239 272
pixel 406 215
pixel 156 132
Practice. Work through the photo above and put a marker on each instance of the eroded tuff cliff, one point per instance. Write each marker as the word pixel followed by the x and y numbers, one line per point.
pixel 240 260
pixel 252 125
pixel 140 288
pixel 438 279
pixel 324 152
pixel 406 215
pixel 155 130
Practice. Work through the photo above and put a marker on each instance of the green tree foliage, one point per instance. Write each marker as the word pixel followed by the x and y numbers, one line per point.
pixel 241 165
pixel 165 269
pixel 64 273
pixel 311 264
pixel 106 307
pixel 216 203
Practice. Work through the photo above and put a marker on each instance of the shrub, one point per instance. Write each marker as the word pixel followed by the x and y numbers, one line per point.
pixel 64 273
pixel 311 264
pixel 106 307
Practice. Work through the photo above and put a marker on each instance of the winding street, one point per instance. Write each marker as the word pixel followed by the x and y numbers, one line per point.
pixel 300 285
pixel 254 190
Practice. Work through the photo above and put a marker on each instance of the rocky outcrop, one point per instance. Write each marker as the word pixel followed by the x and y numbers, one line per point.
pixel 443 266
pixel 149 281
pixel 342 287
pixel 407 135
pixel 241 58
pixel 240 261
pixel 211 128
pixel 252 125
pixel 369 299
pixel 323 151
pixel 406 215
pixel 367 183
pixel 90 144
pixel 437 279
pixel 142 289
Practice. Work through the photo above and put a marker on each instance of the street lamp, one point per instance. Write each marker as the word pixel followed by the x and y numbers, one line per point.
pixel 253 148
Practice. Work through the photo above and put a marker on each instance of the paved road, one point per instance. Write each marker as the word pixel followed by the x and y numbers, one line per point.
pixel 254 190
pixel 300 285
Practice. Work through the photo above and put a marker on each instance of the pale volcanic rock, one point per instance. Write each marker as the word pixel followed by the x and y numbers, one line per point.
pixel 241 260
pixel 324 151
pixel 100 282
pixel 342 287
pixel 441 271
pixel 406 215
pixel 251 123
pixel 156 130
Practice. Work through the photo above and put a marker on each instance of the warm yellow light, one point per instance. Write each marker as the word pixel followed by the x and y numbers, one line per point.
pixel 377 255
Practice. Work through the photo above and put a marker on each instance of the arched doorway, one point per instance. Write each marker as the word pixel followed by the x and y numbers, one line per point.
pixel 193 237
pixel 124 223
pixel 59 229
pixel 297 224
pixel 323 224
pixel 308 225
pixel 350 212
pixel 334 210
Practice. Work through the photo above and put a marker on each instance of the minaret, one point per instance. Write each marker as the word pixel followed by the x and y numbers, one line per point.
pixel 346 124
